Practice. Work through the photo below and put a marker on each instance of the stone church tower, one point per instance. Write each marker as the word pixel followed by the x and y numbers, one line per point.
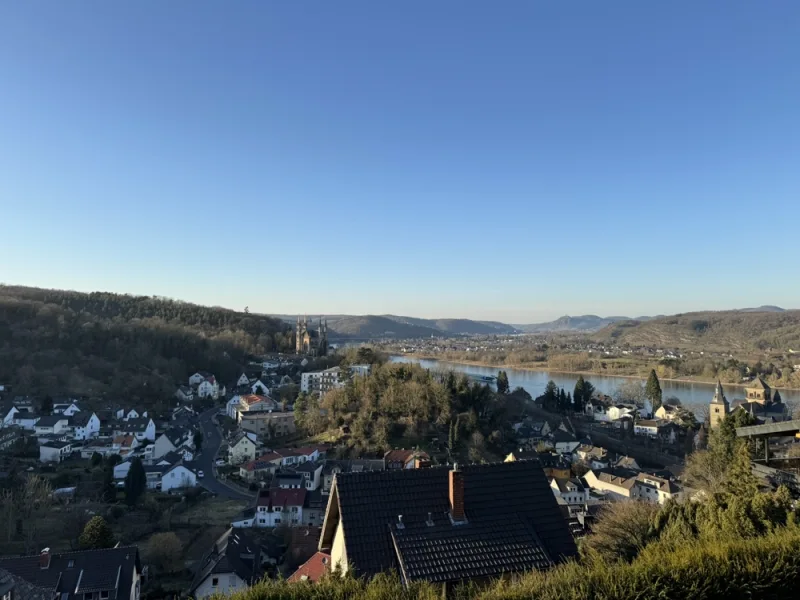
pixel 719 407
pixel 310 341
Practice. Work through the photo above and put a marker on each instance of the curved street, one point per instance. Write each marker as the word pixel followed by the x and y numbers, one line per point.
pixel 212 439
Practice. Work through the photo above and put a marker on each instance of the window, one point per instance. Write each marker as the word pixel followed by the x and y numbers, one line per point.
pixel 104 595
pixel 294 509
pixel 214 581
pixel 277 521
pixel 70 564
pixel 87 596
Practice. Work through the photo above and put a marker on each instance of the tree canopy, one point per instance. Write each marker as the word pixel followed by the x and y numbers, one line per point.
pixel 135 482
pixel 96 535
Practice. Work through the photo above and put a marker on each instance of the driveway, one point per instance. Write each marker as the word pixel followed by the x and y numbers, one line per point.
pixel 212 439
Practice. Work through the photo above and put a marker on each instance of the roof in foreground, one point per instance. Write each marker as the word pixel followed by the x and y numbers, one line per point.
pixel 370 503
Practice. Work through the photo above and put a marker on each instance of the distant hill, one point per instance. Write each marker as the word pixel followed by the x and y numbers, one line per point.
pixel 742 330
pixel 134 348
pixel 374 326
pixel 396 326
pixel 457 326
pixel 582 323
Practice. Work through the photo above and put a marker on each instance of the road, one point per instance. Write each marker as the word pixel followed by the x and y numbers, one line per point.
pixel 205 462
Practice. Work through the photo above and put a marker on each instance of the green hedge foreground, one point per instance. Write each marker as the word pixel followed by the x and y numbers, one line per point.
pixel 763 567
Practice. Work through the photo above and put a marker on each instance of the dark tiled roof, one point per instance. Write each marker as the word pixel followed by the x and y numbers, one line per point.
pixel 235 552
pixel 80 419
pixel 56 444
pixel 370 502
pixel 91 571
pixel 175 436
pixel 137 425
pixel 563 436
pixel 488 548
pixel 51 420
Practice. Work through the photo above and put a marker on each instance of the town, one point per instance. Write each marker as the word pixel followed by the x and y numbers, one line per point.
pixel 324 462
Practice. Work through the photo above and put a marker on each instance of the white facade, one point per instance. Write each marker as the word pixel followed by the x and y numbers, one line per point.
pixel 320 381
pixel 197 379
pixel 571 493
pixel 219 583
pixel 8 419
pixel 178 477
pixel 243 380
pixel 54 453
pixel 208 390
pixel 162 445
pixel 232 408
pixel 244 450
pixel 132 414
pixel 68 410
pixel 26 420
pixel 259 388
pixel 60 426
pixel 360 370
pixel 567 447
pixel 88 431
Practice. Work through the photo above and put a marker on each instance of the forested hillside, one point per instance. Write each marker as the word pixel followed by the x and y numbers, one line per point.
pixel 724 330
pixel 55 342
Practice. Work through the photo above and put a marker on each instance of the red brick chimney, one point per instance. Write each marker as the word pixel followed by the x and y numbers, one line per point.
pixel 456 494
pixel 44 559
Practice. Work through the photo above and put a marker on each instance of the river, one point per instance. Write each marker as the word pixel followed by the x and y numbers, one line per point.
pixel 693 396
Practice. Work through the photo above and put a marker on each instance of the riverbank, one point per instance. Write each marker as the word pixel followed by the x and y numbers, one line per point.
pixel 585 374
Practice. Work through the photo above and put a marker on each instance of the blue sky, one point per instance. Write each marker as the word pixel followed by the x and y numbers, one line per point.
pixel 512 160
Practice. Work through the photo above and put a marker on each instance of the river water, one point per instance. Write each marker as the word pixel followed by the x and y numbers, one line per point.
pixel 693 396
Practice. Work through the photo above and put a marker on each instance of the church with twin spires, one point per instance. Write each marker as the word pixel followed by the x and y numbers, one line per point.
pixel 313 342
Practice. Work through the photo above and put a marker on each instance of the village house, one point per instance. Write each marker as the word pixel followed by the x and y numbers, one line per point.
pixel 667 412
pixel 571 491
pixel 54 451
pixel 52 425
pixel 25 418
pixel 423 523
pixel 406 459
pixel 553 465
pixel 313 569
pixel 124 444
pixel 617 484
pixel 279 506
pixel 85 425
pixel 254 403
pixel 178 476
pixel 657 428
pixel 68 408
pixel 564 442
pixel 104 574
pixel 268 463
pixel 258 387
pixel 142 428
pixel 170 441
pixel 594 456
pixel 241 449
pixel 268 425
pixel 7 413
pixel 233 563
pixel 656 490
pixel 184 393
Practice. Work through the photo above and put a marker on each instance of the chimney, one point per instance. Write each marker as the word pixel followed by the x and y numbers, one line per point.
pixel 456 495
pixel 44 559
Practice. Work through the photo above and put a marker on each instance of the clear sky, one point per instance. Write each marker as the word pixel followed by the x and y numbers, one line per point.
pixel 515 160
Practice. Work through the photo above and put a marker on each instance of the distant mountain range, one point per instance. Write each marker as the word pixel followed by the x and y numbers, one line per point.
pixel 395 326
pixel 750 329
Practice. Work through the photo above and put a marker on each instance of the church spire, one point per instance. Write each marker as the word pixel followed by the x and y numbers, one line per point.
pixel 719 395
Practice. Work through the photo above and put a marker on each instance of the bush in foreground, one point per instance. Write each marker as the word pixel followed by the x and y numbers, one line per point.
pixel 762 567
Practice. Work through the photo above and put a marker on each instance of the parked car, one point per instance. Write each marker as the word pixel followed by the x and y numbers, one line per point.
pixel 220 462
pixel 200 474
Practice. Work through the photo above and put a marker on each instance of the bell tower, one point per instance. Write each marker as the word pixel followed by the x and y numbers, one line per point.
pixel 719 407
